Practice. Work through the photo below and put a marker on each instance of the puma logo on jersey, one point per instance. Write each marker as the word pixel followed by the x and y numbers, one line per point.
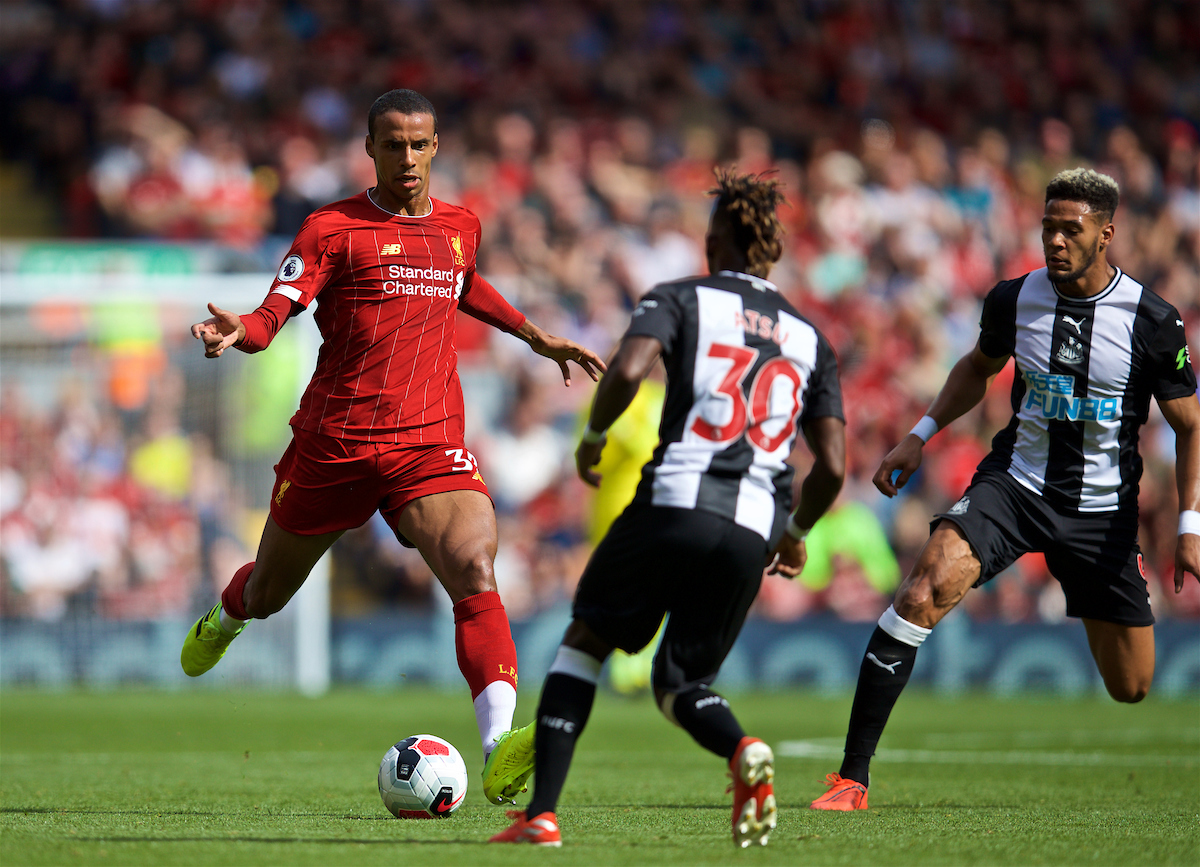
pixel 890 668
pixel 1077 324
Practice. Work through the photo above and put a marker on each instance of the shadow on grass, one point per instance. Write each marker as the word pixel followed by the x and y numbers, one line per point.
pixel 278 840
pixel 338 816
pixel 75 811
pixel 67 811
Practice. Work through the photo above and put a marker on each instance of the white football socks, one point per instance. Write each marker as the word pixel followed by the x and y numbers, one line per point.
pixel 229 624
pixel 494 709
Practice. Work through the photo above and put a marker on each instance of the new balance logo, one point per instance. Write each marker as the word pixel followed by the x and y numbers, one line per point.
pixel 1077 324
pixel 890 669
pixel 557 722
pixel 709 701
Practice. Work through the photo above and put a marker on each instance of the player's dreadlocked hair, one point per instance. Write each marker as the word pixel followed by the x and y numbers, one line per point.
pixel 749 203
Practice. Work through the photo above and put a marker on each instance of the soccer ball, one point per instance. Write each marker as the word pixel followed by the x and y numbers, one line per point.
pixel 422 777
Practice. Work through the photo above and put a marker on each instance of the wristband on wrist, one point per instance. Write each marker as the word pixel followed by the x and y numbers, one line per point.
pixel 591 436
pixel 1189 522
pixel 795 530
pixel 925 428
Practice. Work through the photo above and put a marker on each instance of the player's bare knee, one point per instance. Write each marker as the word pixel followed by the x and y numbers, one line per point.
pixel 471 576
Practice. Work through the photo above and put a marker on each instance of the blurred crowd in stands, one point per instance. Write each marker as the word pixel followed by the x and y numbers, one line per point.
pixel 914 138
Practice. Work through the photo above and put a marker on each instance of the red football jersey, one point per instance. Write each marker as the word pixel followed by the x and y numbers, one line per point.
pixel 387 288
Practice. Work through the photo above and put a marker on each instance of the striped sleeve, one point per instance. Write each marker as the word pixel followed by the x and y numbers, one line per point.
pixel 998 323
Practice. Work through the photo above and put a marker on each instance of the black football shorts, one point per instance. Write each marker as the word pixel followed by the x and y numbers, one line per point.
pixel 1094 555
pixel 702 569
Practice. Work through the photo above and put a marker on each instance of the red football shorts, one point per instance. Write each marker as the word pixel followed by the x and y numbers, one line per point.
pixel 323 484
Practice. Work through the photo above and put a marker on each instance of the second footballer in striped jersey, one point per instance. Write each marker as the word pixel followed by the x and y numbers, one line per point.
pixel 1091 347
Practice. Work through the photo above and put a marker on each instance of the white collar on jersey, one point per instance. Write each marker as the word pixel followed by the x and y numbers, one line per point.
pixel 758 282
pixel 1091 299
pixel 394 214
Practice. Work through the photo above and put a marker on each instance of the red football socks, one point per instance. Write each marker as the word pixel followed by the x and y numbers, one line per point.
pixel 231 599
pixel 486 652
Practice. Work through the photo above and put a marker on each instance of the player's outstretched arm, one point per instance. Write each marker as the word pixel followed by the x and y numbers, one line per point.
pixel 630 364
pixel 561 350
pixel 826 439
pixel 965 387
pixel 1183 415
pixel 219 332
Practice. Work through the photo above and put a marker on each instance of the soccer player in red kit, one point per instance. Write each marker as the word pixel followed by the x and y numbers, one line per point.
pixel 380 426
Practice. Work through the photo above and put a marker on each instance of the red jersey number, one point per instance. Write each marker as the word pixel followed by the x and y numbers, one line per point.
pixel 731 387
pixel 749 417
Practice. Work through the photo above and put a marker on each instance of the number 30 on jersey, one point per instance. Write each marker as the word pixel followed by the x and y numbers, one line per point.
pixel 749 415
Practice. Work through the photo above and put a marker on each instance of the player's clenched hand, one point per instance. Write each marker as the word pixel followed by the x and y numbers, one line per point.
pixel 1187 558
pixel 219 332
pixel 906 457
pixel 586 457
pixel 790 557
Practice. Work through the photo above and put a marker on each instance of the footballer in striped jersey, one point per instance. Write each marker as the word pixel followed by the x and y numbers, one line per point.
pixel 1091 347
pixel 747 374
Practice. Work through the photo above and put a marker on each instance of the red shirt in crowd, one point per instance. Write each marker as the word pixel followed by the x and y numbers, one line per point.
pixel 387 287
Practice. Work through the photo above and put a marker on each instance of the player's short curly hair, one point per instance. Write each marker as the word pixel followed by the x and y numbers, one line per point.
pixel 401 100
pixel 1099 192
pixel 749 203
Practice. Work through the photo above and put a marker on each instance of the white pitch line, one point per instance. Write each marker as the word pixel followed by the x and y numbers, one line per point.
pixel 812 750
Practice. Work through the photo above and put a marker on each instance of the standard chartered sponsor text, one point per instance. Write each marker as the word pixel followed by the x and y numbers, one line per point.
pixel 397 272
pixel 435 288
pixel 392 287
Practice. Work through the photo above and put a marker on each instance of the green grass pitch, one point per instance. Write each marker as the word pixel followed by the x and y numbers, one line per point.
pixel 230 778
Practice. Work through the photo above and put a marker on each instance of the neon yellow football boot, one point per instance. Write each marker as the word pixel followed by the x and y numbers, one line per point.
pixel 508 767
pixel 206 643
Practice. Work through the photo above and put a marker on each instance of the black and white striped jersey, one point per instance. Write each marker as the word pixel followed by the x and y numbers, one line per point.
pixel 744 371
pixel 1085 372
